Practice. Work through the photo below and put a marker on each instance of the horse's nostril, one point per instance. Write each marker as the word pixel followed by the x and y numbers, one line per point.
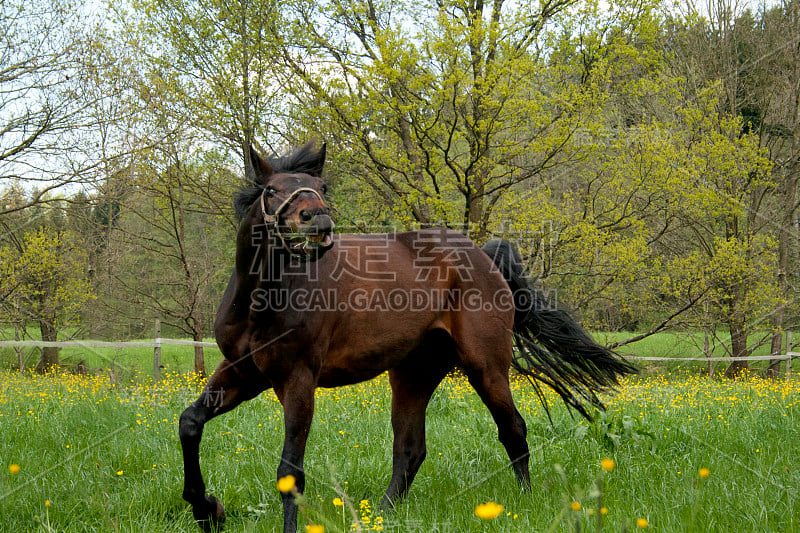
pixel 306 215
pixel 323 223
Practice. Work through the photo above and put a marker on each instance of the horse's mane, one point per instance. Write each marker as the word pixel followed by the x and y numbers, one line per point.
pixel 300 160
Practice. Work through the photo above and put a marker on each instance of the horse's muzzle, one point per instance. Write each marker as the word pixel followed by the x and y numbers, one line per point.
pixel 319 233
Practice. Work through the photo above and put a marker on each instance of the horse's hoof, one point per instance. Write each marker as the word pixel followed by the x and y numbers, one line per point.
pixel 210 515
pixel 387 505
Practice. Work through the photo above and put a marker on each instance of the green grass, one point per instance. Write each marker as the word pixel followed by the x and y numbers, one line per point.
pixel 108 458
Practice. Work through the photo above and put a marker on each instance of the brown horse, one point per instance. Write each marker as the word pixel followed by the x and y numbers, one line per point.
pixel 305 309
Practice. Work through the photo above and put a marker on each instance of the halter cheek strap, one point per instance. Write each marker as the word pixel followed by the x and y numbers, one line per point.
pixel 273 219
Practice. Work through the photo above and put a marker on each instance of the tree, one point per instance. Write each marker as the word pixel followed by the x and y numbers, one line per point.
pixel 447 106
pixel 734 176
pixel 47 124
pixel 171 247
pixel 43 279
pixel 777 122
pixel 654 224
pixel 210 64
pixel 754 62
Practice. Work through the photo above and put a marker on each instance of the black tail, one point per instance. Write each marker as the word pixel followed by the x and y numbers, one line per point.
pixel 552 348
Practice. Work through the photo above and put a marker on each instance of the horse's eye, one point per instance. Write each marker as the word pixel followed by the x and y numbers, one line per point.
pixel 324 189
pixel 270 191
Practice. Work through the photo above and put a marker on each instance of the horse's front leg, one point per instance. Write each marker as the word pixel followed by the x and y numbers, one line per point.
pixel 225 390
pixel 297 397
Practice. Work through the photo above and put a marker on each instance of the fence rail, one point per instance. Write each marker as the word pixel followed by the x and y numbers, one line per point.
pixel 107 344
pixel 783 357
pixel 207 344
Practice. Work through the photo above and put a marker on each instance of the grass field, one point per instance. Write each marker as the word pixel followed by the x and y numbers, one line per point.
pixel 81 454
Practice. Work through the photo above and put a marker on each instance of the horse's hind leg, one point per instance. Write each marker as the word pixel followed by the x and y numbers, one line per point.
pixel 494 390
pixel 225 390
pixel 486 362
pixel 413 383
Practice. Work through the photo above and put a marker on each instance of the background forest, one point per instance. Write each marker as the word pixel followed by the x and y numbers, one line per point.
pixel 644 156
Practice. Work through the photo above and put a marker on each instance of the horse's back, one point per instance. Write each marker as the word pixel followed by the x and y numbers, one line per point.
pixel 431 255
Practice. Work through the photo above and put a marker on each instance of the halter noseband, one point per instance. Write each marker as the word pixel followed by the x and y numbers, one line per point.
pixel 273 219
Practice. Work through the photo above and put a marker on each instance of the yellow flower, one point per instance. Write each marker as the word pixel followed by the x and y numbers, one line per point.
pixel 604 511
pixel 488 511
pixel 120 472
pixel 315 529
pixel 47 503
pixel 14 469
pixel 576 506
pixel 608 464
pixel 338 502
pixel 704 473
pixel 641 523
pixel 286 483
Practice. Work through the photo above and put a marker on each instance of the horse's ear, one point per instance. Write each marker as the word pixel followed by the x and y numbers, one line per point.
pixel 262 168
pixel 322 153
pixel 317 161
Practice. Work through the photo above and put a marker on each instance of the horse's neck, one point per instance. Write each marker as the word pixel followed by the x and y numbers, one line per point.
pixel 256 273
pixel 256 265
pixel 257 253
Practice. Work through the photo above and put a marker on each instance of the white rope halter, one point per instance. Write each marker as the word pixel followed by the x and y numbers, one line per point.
pixel 273 219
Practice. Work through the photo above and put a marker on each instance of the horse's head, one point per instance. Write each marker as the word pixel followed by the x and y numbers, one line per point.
pixel 293 200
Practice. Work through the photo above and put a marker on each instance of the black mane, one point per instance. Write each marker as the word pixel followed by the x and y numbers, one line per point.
pixel 305 160
pixel 245 198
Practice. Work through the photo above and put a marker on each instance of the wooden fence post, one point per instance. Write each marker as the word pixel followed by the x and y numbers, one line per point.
pixel 157 352
pixel 18 349
pixel 788 354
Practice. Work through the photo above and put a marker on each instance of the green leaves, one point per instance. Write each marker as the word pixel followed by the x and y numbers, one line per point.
pixel 45 279
pixel 443 105
pixel 213 64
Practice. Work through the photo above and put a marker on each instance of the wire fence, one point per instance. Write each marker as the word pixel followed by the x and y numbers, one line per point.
pixel 158 342
pixel 155 344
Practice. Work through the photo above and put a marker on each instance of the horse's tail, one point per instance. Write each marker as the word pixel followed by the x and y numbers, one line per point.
pixel 552 347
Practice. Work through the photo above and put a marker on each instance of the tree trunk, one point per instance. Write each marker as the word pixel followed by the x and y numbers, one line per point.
pixel 774 368
pixel 49 357
pixel 18 349
pixel 474 208
pixel 784 236
pixel 199 357
pixel 738 328
pixel 477 228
